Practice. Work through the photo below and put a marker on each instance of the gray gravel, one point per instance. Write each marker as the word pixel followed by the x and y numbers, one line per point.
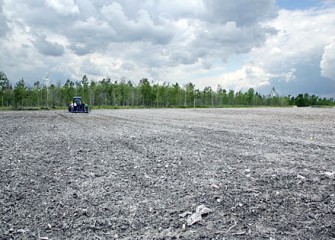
pixel 140 174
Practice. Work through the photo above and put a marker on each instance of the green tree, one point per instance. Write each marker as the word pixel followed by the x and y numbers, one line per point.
pixel 240 98
pixel 92 93
pixel 224 97
pixel 124 92
pixel 68 91
pixel 189 94
pixel 4 82
pixel 146 92
pixel 4 86
pixel 231 97
pixel 274 97
pixel 85 89
pixel 20 92
pixel 35 94
pixel 250 96
pixel 300 101
pixel 174 94
pixel 102 90
pixel 314 100
pixel 197 98
pixel 207 96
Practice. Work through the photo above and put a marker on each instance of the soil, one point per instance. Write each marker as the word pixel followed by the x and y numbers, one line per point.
pixel 139 174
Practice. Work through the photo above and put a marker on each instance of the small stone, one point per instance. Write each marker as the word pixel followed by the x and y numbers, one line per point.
pixel 329 174
pixel 215 187
pixel 21 231
pixel 85 212
pixel 301 177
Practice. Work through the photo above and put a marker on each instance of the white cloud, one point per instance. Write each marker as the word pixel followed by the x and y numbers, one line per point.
pixel 249 76
pixel 141 28
pixel 327 63
pixel 303 43
pixel 63 7
pixel 93 65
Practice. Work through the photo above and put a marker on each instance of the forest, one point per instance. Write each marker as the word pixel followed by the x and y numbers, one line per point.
pixel 108 93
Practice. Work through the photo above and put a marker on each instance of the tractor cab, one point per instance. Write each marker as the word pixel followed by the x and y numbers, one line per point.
pixel 78 106
pixel 77 100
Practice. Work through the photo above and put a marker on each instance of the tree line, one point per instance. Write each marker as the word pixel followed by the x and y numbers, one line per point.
pixel 123 93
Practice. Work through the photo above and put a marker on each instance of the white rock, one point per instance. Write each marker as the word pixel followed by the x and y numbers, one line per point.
pixel 329 174
pixel 301 177
pixel 184 214
pixel 202 209
pixel 194 218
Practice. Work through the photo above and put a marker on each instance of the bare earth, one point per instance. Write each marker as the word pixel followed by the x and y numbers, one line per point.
pixel 140 174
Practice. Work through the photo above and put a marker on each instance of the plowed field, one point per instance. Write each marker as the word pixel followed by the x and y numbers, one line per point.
pixel 141 174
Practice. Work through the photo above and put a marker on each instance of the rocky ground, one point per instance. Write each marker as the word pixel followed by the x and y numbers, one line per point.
pixel 142 174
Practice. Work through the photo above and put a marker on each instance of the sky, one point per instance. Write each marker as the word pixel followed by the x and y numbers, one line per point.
pixel 240 44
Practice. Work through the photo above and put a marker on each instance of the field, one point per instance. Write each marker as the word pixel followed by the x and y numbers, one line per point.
pixel 141 174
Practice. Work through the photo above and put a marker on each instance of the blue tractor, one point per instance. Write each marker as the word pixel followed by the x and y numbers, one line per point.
pixel 78 106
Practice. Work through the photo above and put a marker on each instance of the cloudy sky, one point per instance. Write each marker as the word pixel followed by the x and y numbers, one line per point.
pixel 238 44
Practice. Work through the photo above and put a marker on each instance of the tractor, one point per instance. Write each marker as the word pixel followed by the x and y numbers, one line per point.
pixel 78 106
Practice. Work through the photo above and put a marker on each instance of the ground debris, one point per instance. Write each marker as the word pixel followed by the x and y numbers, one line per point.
pixel 97 176
pixel 197 216
pixel 301 177
pixel 184 214
pixel 329 174
pixel 215 187
pixel 194 218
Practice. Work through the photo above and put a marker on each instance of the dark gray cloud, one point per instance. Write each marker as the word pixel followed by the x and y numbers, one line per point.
pixel 223 41
pixel 89 36
pixel 80 49
pixel 242 12
pixel 33 14
pixel 48 48
pixel 307 80
pixel 111 24
pixel 3 22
